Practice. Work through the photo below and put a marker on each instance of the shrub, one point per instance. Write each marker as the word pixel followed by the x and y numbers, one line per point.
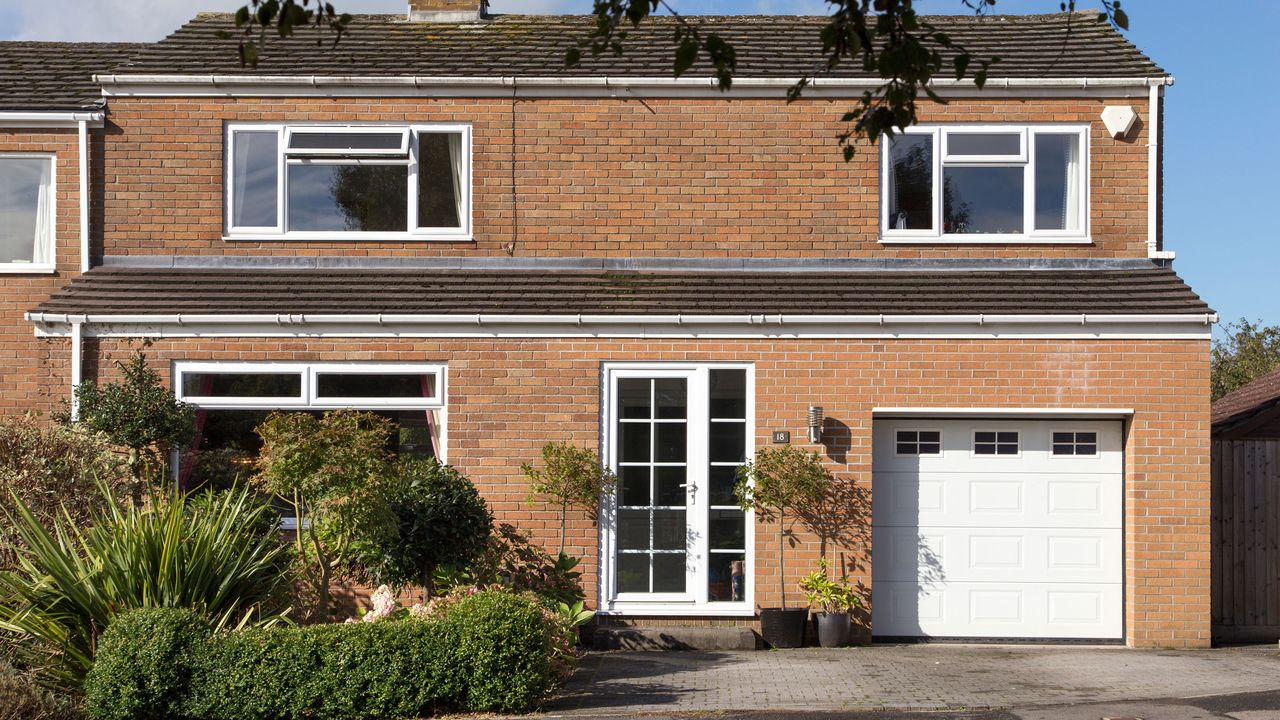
pixel 440 521
pixel 216 555
pixel 145 664
pixel 511 559
pixel 22 699
pixel 335 471
pixel 504 647
pixel 140 414
pixel 490 652
pixel 51 468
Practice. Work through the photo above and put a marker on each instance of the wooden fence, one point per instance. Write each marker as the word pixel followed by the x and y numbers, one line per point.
pixel 1246 540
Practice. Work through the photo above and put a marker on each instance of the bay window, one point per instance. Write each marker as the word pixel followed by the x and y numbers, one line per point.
pixel 352 181
pixel 26 213
pixel 986 184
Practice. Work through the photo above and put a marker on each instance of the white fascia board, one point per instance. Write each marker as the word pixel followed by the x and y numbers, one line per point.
pixel 51 119
pixel 1092 327
pixel 1047 413
pixel 596 86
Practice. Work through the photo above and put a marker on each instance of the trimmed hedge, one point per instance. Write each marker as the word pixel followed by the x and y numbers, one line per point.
pixel 144 665
pixel 492 652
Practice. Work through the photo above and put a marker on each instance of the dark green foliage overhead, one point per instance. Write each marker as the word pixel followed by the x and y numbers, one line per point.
pixel 1246 352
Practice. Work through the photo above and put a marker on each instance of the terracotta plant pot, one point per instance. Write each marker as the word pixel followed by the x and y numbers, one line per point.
pixel 834 629
pixel 783 627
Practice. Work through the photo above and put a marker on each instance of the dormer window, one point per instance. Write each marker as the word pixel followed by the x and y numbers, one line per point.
pixel 350 181
pixel 986 184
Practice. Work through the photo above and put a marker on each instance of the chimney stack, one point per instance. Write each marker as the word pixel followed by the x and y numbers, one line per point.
pixel 447 11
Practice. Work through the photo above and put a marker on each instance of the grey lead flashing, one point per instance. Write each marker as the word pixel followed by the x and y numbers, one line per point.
pixel 263 262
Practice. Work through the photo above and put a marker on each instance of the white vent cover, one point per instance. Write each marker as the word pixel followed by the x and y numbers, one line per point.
pixel 1119 120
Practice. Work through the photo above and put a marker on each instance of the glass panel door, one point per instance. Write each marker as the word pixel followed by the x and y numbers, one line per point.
pixel 652 462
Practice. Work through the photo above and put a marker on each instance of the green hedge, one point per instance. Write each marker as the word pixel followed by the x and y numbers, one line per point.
pixel 492 652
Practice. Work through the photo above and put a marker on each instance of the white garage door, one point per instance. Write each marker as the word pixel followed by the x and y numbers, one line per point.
pixel 997 529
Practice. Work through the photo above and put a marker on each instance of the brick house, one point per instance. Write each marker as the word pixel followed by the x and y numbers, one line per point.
pixel 437 222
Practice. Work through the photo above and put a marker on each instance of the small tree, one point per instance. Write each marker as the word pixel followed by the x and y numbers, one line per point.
pixel 570 476
pixel 139 414
pixel 779 480
pixel 1249 351
pixel 441 521
pixel 334 471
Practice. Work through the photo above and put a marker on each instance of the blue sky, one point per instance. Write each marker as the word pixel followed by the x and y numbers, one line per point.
pixel 1222 138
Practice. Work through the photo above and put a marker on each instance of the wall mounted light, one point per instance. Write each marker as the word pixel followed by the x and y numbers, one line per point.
pixel 815 423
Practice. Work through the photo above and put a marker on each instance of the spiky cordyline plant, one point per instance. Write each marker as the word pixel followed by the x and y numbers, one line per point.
pixel 218 554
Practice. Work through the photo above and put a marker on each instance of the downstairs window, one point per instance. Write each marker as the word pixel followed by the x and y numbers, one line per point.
pixel 232 399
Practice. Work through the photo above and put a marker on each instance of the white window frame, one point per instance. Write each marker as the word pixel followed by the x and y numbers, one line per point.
pixel 973 444
pixel 308 398
pixel 286 157
pixel 694 601
pixel 1027 159
pixel 32 268
pixel 941 437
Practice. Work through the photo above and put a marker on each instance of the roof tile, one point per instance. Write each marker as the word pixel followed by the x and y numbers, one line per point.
pixel 56 75
pixel 1029 46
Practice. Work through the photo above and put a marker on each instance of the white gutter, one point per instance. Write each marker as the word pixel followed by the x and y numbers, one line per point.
pixel 77 371
pixel 84 195
pixel 49 119
pixel 204 85
pixel 500 319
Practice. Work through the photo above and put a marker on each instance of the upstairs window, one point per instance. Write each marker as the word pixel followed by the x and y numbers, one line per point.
pixel 986 184
pixel 366 181
pixel 26 213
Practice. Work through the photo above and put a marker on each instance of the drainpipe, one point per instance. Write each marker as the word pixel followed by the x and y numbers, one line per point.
pixel 77 371
pixel 84 196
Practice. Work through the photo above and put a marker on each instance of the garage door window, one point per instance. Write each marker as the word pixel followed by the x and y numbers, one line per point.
pixel 918 442
pixel 1075 443
pixel 992 442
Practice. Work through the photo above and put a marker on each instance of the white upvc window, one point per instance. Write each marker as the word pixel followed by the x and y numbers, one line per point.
pixel 233 398
pixel 28 194
pixel 673 540
pixel 345 182
pixel 986 184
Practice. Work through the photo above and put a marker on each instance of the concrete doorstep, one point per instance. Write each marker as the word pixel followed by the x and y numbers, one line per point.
pixel 699 639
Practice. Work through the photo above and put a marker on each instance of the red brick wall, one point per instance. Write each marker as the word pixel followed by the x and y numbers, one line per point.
pixel 659 178
pixel 35 374
pixel 508 397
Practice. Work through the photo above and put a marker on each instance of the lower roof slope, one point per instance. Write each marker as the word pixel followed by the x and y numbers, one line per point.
pixel 1258 395
pixel 48 76
pixel 152 291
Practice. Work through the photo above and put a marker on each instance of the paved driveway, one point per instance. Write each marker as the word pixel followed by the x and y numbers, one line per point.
pixel 932 677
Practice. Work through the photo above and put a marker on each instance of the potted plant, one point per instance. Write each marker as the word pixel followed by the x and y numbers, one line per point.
pixel 776 482
pixel 835 600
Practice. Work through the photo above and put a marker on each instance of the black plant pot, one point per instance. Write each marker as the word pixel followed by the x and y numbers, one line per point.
pixel 783 627
pixel 833 629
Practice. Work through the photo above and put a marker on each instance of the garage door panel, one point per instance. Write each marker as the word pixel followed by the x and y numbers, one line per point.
pixel 936 556
pixel 1026 544
pixel 995 610
pixel 980 499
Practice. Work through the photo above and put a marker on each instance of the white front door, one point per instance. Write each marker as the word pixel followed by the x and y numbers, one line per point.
pixel 674 542
pixel 997 529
